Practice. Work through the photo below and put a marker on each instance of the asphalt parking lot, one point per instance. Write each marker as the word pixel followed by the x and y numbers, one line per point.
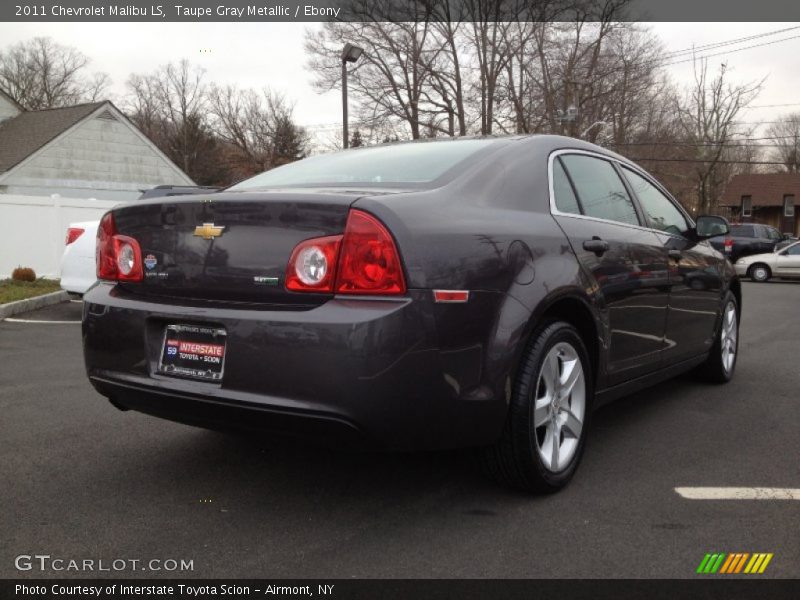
pixel 81 479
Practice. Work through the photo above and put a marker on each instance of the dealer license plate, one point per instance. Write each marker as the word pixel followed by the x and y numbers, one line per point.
pixel 193 351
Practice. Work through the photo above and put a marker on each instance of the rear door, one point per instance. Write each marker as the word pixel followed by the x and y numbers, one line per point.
pixel 695 273
pixel 596 212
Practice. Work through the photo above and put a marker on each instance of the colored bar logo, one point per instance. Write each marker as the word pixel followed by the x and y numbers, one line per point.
pixel 735 562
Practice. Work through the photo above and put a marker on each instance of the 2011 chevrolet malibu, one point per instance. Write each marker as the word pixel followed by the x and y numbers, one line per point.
pixel 478 292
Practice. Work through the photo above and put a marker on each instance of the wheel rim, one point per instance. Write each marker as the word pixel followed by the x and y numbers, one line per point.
pixel 760 273
pixel 559 406
pixel 728 337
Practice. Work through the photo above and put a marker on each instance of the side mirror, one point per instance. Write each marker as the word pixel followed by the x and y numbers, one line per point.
pixel 708 226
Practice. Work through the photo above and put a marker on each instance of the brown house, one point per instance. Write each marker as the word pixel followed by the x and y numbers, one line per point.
pixel 767 198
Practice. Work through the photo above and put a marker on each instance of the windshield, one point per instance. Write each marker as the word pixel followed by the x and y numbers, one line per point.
pixel 400 163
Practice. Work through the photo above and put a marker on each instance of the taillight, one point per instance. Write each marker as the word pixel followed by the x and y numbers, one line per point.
pixel 728 245
pixel 362 261
pixel 106 260
pixel 369 262
pixel 312 267
pixel 73 233
pixel 119 257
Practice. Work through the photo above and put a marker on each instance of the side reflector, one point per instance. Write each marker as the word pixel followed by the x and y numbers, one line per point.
pixel 450 295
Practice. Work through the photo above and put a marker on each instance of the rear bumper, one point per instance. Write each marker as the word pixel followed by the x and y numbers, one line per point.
pixel 398 374
pixel 77 272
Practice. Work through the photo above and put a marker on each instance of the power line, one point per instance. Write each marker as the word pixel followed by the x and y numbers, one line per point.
pixel 774 105
pixel 713 45
pixel 701 144
pixel 678 62
pixel 698 160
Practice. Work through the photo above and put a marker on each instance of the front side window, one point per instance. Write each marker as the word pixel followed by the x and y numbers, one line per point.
pixel 788 206
pixel 601 192
pixel 747 206
pixel 774 234
pixel 660 211
pixel 793 250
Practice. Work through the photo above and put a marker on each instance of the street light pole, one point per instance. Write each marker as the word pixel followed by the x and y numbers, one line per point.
pixel 345 133
pixel 350 53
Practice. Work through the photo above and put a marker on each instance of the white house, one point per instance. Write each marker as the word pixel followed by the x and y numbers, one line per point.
pixel 84 151
pixel 64 165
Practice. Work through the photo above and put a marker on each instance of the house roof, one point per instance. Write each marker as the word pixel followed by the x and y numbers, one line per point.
pixel 765 189
pixel 24 134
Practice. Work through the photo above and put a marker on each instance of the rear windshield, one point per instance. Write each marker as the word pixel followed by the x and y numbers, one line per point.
pixel 742 230
pixel 396 164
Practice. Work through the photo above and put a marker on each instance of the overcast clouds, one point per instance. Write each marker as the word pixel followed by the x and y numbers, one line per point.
pixel 271 54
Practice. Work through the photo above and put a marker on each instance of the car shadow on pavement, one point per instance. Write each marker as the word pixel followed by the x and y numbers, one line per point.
pixel 248 467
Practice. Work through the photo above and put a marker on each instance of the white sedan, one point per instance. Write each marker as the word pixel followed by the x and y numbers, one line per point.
pixel 78 270
pixel 784 262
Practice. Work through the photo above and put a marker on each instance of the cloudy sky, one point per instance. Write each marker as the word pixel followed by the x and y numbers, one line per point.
pixel 271 54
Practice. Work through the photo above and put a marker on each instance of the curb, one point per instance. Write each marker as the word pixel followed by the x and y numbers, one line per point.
pixel 20 306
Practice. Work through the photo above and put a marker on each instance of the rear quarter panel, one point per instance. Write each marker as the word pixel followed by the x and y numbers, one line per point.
pixel 489 232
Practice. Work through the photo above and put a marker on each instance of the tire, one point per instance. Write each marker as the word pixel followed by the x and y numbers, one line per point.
pixel 720 365
pixel 759 272
pixel 525 457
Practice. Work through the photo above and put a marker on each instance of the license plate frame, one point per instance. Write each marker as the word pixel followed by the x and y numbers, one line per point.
pixel 193 352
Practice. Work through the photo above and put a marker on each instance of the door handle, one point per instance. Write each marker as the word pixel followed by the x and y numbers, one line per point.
pixel 596 245
pixel 675 254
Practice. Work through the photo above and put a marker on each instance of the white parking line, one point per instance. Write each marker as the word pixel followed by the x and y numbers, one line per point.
pixel 10 320
pixel 738 493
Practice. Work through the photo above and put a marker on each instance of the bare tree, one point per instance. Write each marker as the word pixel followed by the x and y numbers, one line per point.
pixel 169 105
pixel 258 128
pixel 392 78
pixel 40 73
pixel 708 118
pixel 786 137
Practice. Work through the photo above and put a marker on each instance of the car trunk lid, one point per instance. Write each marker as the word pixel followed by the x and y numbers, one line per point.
pixel 229 247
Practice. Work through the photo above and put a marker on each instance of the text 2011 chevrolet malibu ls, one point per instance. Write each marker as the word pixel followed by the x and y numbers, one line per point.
pixel 474 292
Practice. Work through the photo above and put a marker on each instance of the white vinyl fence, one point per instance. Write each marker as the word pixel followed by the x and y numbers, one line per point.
pixel 33 229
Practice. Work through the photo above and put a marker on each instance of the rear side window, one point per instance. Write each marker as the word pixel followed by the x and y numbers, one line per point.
pixel 742 231
pixel 660 210
pixel 566 201
pixel 600 190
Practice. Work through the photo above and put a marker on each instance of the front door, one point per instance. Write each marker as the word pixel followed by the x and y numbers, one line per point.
pixel 695 279
pixel 622 258
pixel 787 263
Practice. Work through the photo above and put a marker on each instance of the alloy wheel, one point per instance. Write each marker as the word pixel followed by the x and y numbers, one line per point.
pixel 559 406
pixel 728 337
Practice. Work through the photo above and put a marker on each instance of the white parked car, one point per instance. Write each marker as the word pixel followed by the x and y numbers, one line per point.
pixel 78 270
pixel 783 262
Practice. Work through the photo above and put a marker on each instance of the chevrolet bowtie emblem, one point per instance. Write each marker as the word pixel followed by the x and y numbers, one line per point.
pixel 208 231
